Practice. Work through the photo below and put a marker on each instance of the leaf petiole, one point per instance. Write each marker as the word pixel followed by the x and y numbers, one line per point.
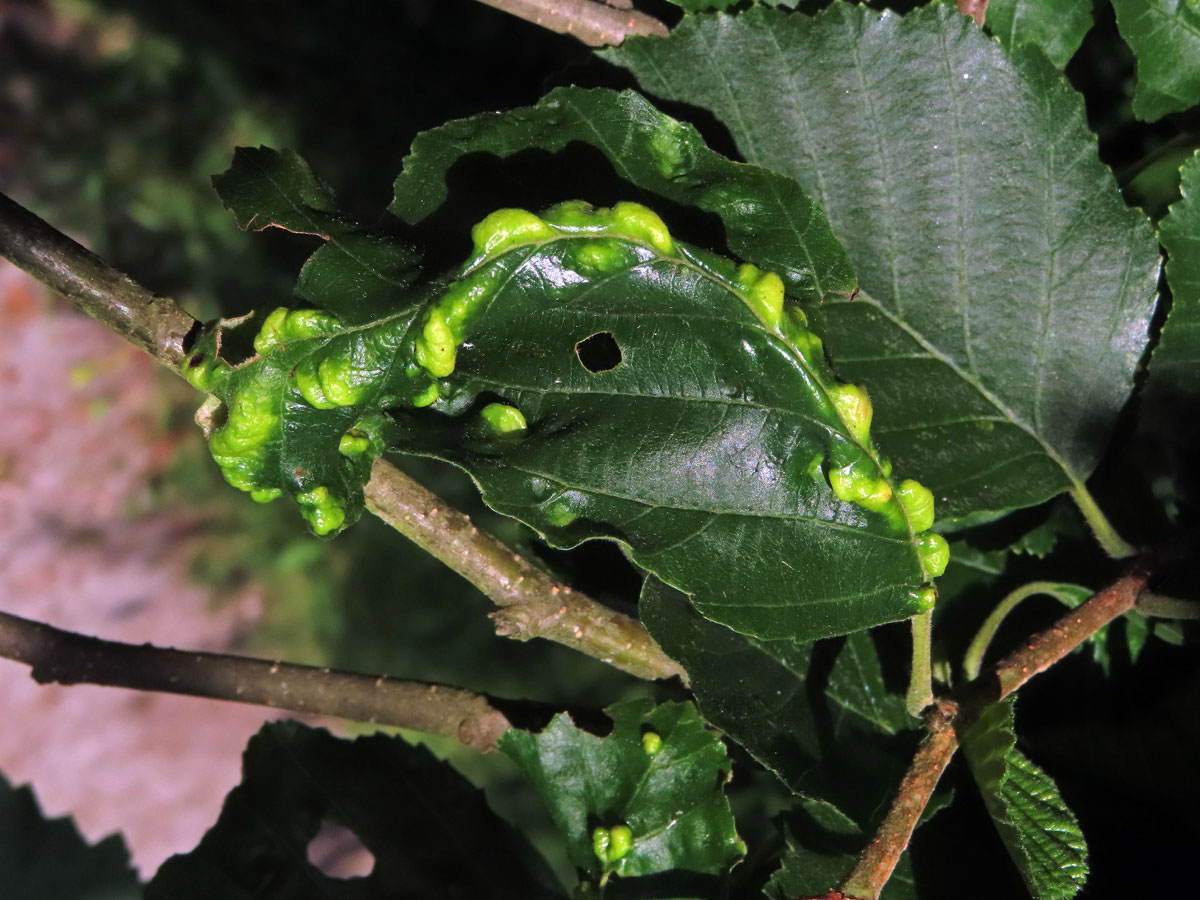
pixel 1111 542
pixel 920 681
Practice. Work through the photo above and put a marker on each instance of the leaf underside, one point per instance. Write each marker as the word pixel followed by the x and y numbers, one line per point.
pixel 1007 290
pixel 1041 833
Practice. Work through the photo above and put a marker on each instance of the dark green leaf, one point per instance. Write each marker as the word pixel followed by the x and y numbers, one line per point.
pixel 706 443
pixel 660 774
pixel 1175 366
pixel 355 275
pixel 1165 37
pixel 430 831
pixel 1040 832
pixel 1008 290
pixel 822 726
pixel 770 221
pixel 47 859
pixel 823 845
pixel 1055 26
pixel 706 473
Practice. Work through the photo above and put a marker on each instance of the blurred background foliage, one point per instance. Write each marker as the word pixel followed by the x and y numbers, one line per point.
pixel 115 115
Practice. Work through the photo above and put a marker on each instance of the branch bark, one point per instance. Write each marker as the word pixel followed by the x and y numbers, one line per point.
pixel 64 657
pixel 155 324
pixel 595 23
pixel 881 855
pixel 531 604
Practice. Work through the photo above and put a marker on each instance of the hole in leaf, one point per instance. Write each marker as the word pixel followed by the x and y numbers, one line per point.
pixel 337 851
pixel 599 353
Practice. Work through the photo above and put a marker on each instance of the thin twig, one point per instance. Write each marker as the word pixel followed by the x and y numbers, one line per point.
pixel 64 657
pixel 596 24
pixel 152 323
pixel 1047 647
pixel 532 604
pixel 880 856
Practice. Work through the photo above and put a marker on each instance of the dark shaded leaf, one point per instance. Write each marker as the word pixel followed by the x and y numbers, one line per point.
pixel 355 275
pixel 823 845
pixel 1175 366
pixel 822 726
pixel 47 859
pixel 430 831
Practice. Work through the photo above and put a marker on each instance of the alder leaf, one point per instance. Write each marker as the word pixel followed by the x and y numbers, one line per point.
pixel 1165 37
pixel 707 438
pixel 1040 832
pixel 430 831
pixel 1055 26
pixel 1007 290
pixel 714 444
pixel 659 777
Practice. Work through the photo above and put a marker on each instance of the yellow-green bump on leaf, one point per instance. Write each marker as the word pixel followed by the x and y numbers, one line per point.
pixel 854 406
pixel 204 371
pixel 640 223
pixel 934 553
pixel 651 743
pixel 669 149
pixel 282 326
pixel 503 419
pixel 505 228
pixel 853 485
pixel 351 444
pixel 917 501
pixel 922 600
pixel 323 511
pixel 620 842
pixel 600 843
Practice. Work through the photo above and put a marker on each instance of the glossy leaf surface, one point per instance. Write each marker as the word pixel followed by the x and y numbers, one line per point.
pixel 1165 37
pixel 707 445
pixel 48 859
pixel 719 476
pixel 430 831
pixel 659 774
pixel 1040 832
pixel 1056 27
pixel 1007 289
